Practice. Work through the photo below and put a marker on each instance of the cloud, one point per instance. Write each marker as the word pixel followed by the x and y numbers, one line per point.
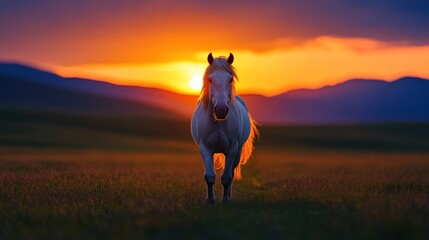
pixel 75 32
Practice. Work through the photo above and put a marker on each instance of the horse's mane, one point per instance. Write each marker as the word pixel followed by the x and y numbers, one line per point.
pixel 220 63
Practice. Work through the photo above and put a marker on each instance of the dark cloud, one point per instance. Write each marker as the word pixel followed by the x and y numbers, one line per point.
pixel 51 29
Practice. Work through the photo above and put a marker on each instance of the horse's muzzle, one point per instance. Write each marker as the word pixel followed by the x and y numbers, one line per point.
pixel 221 112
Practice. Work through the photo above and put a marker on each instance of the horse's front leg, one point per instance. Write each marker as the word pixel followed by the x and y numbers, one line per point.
pixel 209 174
pixel 228 173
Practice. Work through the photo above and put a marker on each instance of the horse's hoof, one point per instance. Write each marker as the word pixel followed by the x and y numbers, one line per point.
pixel 210 201
pixel 226 201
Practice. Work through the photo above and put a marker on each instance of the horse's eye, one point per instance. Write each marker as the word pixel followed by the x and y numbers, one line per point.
pixel 210 81
pixel 231 80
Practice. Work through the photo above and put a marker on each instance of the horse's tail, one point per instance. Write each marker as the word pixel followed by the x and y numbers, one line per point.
pixel 246 151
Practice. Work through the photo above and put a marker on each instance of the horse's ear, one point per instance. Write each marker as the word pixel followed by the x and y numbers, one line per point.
pixel 210 58
pixel 231 58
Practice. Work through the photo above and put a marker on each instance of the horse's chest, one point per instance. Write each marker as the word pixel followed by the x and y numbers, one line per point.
pixel 219 141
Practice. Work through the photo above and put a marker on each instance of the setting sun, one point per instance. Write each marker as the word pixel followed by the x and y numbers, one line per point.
pixel 196 83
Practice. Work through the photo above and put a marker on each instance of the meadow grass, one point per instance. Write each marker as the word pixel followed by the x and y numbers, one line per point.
pixel 96 178
pixel 66 194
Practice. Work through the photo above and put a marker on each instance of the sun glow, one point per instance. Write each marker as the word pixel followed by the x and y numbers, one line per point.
pixel 321 61
pixel 196 83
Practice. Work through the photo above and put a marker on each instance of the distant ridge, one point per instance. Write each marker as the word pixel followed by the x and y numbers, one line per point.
pixel 29 89
pixel 354 101
pixel 357 101
pixel 176 103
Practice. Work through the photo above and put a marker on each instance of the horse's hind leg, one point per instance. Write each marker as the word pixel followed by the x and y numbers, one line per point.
pixel 228 173
pixel 209 174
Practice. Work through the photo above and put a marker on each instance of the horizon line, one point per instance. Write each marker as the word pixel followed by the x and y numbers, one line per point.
pixel 48 68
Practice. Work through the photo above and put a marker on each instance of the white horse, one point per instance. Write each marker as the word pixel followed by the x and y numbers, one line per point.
pixel 222 126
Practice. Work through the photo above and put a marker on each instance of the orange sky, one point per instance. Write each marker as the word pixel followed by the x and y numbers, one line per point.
pixel 319 62
pixel 278 45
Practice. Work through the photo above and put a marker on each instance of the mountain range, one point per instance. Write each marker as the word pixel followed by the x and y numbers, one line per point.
pixel 353 101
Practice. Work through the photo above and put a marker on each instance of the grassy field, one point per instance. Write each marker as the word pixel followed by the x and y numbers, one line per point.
pixel 68 177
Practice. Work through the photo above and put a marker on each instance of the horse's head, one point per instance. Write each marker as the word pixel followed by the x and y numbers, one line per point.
pixel 220 81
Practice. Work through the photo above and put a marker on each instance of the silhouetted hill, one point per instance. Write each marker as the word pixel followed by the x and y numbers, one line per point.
pixel 356 101
pixel 177 103
pixel 353 101
pixel 27 93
